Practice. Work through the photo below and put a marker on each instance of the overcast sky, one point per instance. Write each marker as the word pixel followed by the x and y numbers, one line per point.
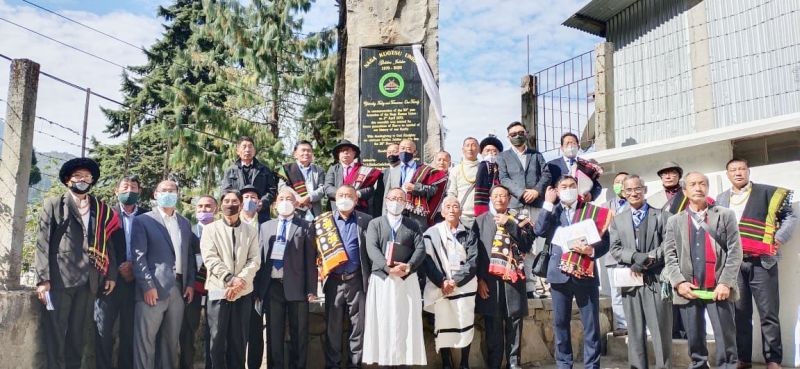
pixel 482 57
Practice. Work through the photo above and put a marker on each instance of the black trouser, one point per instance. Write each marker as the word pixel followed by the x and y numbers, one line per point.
pixel 120 303
pixel 297 312
pixel 761 284
pixel 447 357
pixel 255 340
pixel 503 335
pixel 64 326
pixel 344 299
pixel 721 315
pixel 191 321
pixel 227 323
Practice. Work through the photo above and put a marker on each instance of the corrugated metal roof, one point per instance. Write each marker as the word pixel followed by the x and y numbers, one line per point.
pixel 593 16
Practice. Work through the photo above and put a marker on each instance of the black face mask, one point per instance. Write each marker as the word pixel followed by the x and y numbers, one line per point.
pixel 229 210
pixel 406 157
pixel 80 188
pixel 393 158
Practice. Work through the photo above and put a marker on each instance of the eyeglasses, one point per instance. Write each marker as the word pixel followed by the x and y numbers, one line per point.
pixel 78 177
pixel 629 191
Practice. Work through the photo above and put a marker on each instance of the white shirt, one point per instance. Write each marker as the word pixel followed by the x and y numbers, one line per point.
pixel 84 217
pixel 278 273
pixel 394 221
pixel 739 200
pixel 522 156
pixel 462 177
pixel 171 223
pixel 700 214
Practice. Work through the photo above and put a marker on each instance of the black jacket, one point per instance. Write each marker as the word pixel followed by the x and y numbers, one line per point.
pixel 260 177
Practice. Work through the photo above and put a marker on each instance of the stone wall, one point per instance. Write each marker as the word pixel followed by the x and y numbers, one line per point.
pixel 22 340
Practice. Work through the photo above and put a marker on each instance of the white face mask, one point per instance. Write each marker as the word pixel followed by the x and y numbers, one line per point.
pixel 490 158
pixel 345 204
pixel 394 207
pixel 571 151
pixel 285 208
pixel 568 196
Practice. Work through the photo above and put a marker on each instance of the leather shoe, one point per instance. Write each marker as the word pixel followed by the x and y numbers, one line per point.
pixel 620 332
pixel 743 365
pixel 773 366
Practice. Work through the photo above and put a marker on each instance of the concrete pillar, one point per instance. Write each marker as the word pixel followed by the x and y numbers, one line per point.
pixel 529 112
pixel 15 167
pixel 700 59
pixel 604 96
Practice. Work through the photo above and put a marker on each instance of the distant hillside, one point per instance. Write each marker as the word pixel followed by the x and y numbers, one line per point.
pixel 49 163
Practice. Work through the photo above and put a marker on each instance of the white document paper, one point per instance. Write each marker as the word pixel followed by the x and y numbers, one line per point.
pixel 48 301
pixel 583 232
pixel 585 183
pixel 278 249
pixel 624 277
pixel 214 295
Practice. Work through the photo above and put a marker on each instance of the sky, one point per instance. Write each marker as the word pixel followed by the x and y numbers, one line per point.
pixel 482 58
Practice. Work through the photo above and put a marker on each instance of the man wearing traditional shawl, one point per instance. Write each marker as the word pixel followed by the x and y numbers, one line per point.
pixel 572 272
pixel 450 267
pixel 461 181
pixel 350 172
pixel 441 162
pixel 570 164
pixel 504 237
pixel 488 174
pixel 305 178
pixel 703 254
pixel 78 228
pixel 766 222
pixel 420 183
pixel 341 246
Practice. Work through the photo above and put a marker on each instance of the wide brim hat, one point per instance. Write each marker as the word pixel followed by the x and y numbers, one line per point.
pixel 670 165
pixel 342 144
pixel 79 163
pixel 250 188
pixel 491 140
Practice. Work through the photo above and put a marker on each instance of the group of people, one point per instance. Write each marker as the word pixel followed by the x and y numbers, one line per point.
pixel 412 240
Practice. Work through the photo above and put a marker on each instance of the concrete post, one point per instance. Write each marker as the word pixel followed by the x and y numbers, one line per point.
pixel 529 113
pixel 700 54
pixel 15 167
pixel 604 96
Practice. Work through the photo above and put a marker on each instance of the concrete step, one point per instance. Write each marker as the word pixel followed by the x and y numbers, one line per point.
pixel 617 350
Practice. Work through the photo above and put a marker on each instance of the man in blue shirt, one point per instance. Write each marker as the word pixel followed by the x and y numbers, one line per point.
pixel 346 286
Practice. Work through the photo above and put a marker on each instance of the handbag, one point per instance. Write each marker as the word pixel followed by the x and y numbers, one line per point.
pixel 541 261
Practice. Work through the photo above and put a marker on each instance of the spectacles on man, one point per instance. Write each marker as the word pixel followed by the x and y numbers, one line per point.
pixel 79 177
pixel 638 190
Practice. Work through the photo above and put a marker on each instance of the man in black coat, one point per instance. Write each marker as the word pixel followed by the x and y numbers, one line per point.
pixel 249 171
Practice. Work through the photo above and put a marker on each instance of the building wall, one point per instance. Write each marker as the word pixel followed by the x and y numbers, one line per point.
pixel 652 72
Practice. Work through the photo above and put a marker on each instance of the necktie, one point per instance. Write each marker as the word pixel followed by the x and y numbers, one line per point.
pixel 637 217
pixel 278 264
pixel 571 161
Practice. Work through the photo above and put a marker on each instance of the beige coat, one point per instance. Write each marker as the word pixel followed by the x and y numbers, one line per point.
pixel 216 247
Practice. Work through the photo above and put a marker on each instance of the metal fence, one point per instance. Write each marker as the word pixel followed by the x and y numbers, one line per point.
pixel 565 102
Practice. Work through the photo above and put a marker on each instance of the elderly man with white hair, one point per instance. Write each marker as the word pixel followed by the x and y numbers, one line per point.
pixel 450 267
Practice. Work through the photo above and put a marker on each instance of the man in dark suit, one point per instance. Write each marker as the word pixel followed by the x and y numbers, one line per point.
pixel 350 172
pixel 396 252
pixel 756 205
pixel 703 253
pixel 165 270
pixel 120 303
pixel 305 178
pixel 526 175
pixel 636 237
pixel 345 287
pixel 72 264
pixel 561 209
pixel 503 303
pixel 287 281
pixel 568 165
pixel 247 170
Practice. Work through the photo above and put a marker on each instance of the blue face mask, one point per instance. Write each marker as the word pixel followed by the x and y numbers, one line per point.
pixel 250 206
pixel 167 199
pixel 406 157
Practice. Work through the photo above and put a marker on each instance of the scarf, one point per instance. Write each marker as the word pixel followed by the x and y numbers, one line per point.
pixel 106 223
pixel 679 202
pixel 360 177
pixel 760 219
pixel 591 170
pixel 487 177
pixel 425 175
pixel 578 265
pixel 506 262
pixel 436 201
pixel 292 175
pixel 329 244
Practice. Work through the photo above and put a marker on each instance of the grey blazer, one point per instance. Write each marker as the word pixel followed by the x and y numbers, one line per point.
pixel 783 234
pixel 334 178
pixel 64 263
pixel 623 240
pixel 154 255
pixel 535 175
pixel 409 236
pixel 677 256
pixel 299 260
pixel 317 190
